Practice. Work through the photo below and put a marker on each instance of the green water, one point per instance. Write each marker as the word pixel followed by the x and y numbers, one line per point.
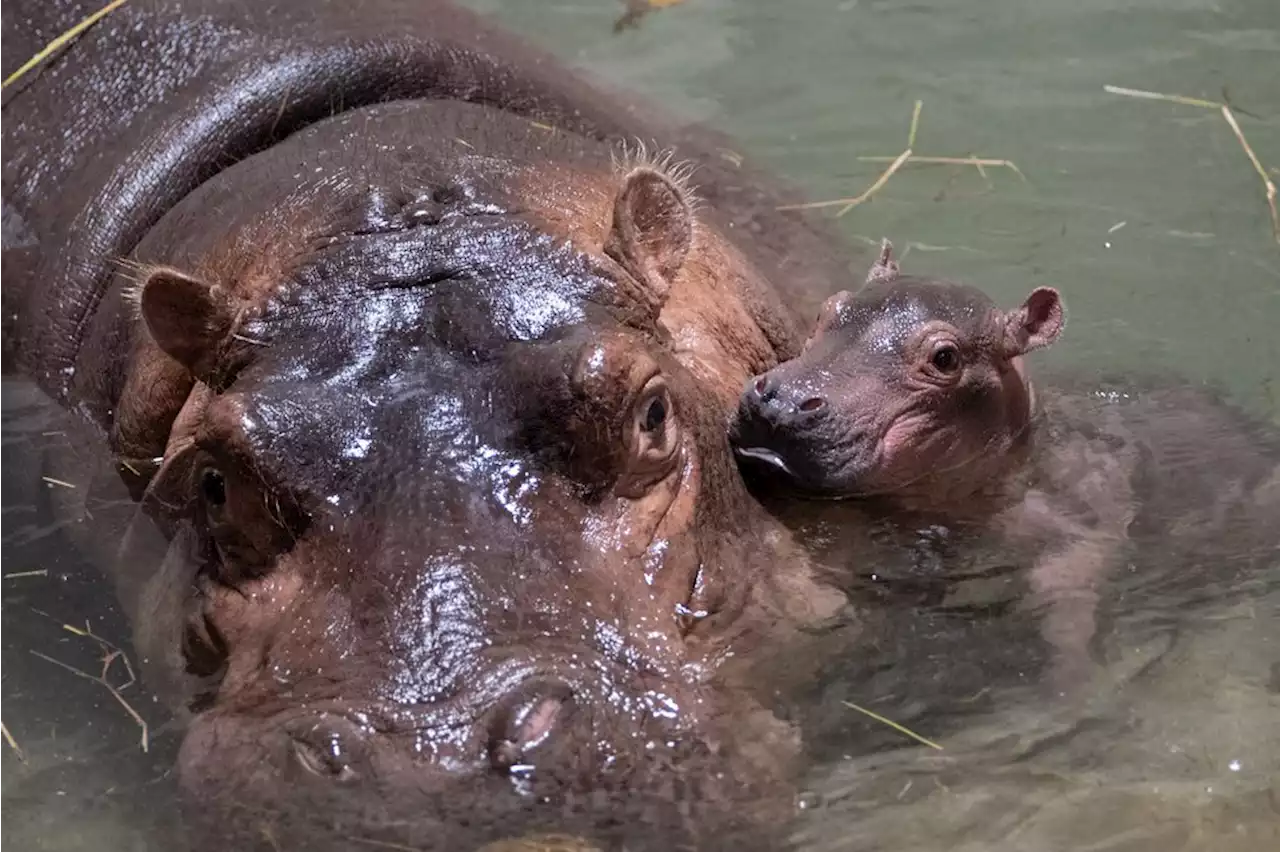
pixel 1190 283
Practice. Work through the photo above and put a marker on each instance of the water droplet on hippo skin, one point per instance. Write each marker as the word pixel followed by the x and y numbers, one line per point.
pixel 808 800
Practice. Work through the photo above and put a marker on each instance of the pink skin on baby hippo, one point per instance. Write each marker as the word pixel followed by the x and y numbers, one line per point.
pixel 911 396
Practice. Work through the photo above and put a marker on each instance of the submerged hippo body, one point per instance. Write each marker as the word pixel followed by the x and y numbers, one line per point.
pixel 912 400
pixel 419 380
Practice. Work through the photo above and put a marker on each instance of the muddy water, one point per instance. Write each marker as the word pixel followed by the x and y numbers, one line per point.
pixel 1148 217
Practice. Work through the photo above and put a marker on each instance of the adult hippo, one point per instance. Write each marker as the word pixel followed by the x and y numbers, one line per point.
pixel 418 383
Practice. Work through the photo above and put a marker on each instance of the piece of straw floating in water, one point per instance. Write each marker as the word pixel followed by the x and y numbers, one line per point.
pixel 1160 96
pixel 637 9
pixel 892 724
pixel 907 157
pixel 1228 115
pixel 110 654
pixel 979 163
pixel 13 744
pixel 115 693
pixel 61 41
pixel 39 572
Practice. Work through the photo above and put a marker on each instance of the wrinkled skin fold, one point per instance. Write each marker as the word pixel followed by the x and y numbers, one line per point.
pixel 423 408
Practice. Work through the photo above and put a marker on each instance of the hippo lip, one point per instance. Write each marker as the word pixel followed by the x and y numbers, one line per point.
pixel 766 455
pixel 777 462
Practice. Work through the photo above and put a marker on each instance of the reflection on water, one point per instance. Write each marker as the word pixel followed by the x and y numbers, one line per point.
pixel 1149 219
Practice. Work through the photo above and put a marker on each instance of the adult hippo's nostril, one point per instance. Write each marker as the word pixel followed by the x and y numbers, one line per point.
pixel 328 745
pixel 813 403
pixel 526 721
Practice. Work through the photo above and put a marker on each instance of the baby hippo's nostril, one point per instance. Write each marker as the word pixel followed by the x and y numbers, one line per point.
pixel 764 388
pixel 812 404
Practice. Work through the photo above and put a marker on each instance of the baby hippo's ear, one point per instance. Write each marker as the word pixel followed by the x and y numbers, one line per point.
pixel 885 269
pixel 1034 325
pixel 652 228
pixel 833 311
pixel 189 319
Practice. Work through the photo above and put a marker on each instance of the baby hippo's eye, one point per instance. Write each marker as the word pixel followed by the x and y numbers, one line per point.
pixel 945 358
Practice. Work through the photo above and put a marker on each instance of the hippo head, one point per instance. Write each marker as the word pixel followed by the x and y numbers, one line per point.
pixel 444 499
pixel 911 388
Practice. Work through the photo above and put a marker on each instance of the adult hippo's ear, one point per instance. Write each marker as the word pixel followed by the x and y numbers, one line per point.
pixel 189 319
pixel 190 322
pixel 652 228
pixel 1035 324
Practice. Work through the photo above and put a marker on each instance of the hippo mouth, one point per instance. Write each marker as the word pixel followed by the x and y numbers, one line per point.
pixel 780 471
pixel 765 456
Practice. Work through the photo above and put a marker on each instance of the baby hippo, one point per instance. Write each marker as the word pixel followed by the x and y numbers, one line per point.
pixel 912 395
pixel 912 389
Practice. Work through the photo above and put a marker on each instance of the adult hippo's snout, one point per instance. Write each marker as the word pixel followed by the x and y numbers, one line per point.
pixel 535 734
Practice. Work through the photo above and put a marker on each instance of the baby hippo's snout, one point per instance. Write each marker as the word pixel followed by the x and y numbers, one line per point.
pixel 776 420
pixel 781 405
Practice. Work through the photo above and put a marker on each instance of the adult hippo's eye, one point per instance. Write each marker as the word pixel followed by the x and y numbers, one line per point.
pixel 326 763
pixel 655 415
pixel 213 488
pixel 652 439
pixel 246 525
pixel 653 427
pixel 624 430
pixel 213 496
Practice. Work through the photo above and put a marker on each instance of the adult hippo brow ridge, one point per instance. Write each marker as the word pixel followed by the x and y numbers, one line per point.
pixel 410 385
